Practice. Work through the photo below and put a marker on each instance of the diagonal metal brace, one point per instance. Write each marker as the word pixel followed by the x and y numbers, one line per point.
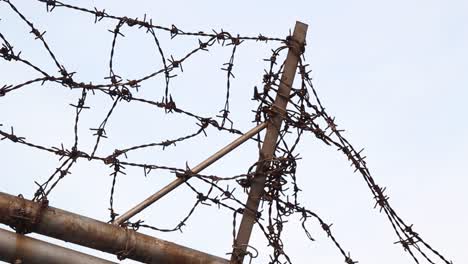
pixel 197 169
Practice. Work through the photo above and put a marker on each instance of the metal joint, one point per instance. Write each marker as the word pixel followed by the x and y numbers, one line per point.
pixel 25 221
pixel 130 245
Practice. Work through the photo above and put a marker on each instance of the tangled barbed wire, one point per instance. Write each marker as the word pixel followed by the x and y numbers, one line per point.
pixel 305 115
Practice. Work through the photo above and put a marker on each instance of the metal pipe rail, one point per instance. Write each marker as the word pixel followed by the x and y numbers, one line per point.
pixel 20 213
pixel 17 248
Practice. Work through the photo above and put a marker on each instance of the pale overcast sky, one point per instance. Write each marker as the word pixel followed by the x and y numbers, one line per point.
pixel 394 73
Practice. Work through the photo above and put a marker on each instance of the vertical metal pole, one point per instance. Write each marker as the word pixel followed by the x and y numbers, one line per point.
pixel 269 144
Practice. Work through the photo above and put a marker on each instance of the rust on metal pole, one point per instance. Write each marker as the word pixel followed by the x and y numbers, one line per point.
pixel 22 214
pixel 20 248
pixel 267 152
pixel 177 182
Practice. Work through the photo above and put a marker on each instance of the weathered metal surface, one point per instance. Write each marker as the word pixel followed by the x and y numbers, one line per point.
pixel 269 144
pixel 18 213
pixel 17 248
pixel 177 182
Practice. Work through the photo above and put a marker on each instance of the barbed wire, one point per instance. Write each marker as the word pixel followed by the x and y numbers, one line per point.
pixel 281 195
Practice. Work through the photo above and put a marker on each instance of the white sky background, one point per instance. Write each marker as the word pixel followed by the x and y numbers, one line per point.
pixel 393 73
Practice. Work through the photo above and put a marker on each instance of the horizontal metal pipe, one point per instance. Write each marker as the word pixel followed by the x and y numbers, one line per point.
pixel 17 248
pixel 20 213
pixel 174 184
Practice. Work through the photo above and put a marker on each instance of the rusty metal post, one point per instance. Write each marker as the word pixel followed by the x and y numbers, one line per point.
pixel 17 248
pixel 23 214
pixel 269 144
pixel 177 182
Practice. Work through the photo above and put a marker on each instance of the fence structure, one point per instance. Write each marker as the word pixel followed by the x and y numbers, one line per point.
pixel 288 110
